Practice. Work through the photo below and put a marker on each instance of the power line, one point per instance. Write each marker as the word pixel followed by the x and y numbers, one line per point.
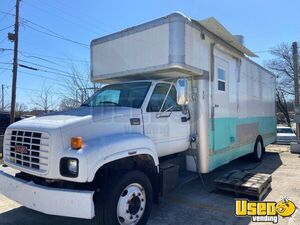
pixel 88 16
pixel 41 76
pixel 6 13
pixel 49 32
pixel 2 40
pixel 57 71
pixel 3 55
pixel 65 59
pixel 27 67
pixel 63 73
pixel 36 64
pixel 47 67
pixel 56 14
pixel 40 58
pixel 38 76
pixel 48 56
pixel 6 27
pixel 262 51
pixel 52 33
pixel 6 63
pixel 6 68
pixel 30 89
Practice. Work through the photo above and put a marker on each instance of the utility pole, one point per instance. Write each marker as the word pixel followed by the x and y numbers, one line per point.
pixel 15 65
pixel 296 81
pixel 2 96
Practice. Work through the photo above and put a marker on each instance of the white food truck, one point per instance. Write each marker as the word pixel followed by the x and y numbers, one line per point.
pixel 181 97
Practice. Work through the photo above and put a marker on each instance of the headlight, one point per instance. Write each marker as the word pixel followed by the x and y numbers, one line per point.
pixel 73 165
pixel 69 167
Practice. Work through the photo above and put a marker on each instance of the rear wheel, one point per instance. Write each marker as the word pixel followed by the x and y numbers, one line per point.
pixel 259 150
pixel 126 200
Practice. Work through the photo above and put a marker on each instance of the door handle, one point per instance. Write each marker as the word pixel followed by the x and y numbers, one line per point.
pixel 184 119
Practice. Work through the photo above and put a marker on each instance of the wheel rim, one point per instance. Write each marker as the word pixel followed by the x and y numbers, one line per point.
pixel 259 150
pixel 131 204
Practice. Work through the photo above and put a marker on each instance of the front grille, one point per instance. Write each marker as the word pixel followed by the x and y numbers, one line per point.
pixel 28 149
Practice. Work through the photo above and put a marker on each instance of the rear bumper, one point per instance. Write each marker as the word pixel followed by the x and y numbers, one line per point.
pixel 52 201
pixel 285 142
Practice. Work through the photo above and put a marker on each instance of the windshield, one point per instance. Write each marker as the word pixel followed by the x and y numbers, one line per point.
pixel 285 130
pixel 124 94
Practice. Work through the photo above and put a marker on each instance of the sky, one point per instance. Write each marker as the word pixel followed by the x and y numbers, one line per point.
pixel 264 25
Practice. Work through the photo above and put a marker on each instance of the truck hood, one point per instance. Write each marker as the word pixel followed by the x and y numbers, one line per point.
pixel 76 117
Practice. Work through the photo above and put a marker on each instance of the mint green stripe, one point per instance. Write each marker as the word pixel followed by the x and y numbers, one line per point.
pixel 221 159
pixel 225 129
pixel 225 138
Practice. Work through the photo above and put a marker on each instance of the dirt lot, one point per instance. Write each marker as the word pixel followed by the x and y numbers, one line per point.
pixel 196 202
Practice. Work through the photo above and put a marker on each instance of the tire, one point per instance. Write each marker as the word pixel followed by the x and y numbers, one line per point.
pixel 125 199
pixel 259 150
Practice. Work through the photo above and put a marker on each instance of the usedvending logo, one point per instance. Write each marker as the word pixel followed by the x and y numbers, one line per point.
pixel 261 211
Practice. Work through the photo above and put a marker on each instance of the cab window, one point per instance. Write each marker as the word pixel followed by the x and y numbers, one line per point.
pixel 158 96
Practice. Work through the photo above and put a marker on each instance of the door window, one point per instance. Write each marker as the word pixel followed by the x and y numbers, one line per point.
pixel 221 79
pixel 158 96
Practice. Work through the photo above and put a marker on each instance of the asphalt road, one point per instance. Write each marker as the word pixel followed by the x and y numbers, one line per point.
pixel 197 202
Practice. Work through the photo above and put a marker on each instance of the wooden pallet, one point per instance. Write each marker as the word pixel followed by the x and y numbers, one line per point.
pixel 249 184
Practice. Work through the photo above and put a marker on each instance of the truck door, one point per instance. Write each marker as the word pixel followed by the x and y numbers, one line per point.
pixel 170 128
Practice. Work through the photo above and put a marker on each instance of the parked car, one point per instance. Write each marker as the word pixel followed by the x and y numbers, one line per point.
pixel 285 135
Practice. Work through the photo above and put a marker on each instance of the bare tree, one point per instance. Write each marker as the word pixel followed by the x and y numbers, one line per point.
pixel 6 106
pixel 44 100
pixel 283 106
pixel 68 103
pixel 5 99
pixel 78 87
pixel 20 109
pixel 282 66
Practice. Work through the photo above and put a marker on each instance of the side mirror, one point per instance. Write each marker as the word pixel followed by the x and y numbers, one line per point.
pixel 182 92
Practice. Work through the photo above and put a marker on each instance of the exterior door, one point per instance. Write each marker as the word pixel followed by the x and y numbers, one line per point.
pixel 164 121
pixel 225 104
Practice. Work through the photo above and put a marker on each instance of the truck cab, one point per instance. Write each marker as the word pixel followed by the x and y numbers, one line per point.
pixel 123 128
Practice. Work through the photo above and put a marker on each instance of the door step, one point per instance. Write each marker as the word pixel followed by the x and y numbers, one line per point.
pixel 171 177
pixel 186 177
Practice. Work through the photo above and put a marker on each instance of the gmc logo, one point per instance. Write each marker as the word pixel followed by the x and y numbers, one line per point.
pixel 21 149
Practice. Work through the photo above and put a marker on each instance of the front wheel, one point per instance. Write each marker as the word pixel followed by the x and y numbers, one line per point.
pixel 258 152
pixel 125 200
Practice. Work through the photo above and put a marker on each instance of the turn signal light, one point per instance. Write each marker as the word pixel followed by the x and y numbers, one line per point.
pixel 76 143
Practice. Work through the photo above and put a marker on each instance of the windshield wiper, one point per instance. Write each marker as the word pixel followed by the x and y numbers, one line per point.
pixel 108 102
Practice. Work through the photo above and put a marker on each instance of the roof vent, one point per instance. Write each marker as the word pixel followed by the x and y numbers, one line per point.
pixel 239 38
